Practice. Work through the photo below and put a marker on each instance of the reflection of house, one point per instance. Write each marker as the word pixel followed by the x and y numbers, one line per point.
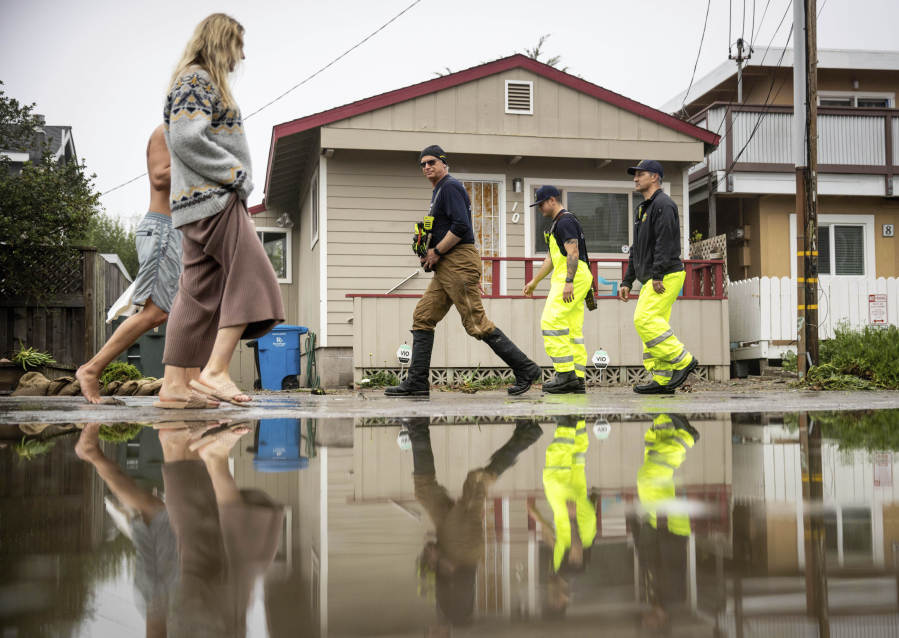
pixel 745 189
pixel 343 188
pixel 357 528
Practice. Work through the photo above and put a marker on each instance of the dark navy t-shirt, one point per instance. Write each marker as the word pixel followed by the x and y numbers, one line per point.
pixel 451 209
pixel 568 227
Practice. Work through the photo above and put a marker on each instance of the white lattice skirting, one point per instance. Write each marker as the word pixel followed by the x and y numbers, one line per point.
pixel 613 375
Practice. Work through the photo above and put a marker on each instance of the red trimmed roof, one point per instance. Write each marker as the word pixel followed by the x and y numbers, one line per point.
pixel 258 208
pixel 516 61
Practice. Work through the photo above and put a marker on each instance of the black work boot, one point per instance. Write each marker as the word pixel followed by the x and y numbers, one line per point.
pixel 527 431
pixel 679 376
pixel 653 387
pixel 417 382
pixel 526 371
pixel 565 383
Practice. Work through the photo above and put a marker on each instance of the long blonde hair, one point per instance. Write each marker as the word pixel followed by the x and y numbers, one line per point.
pixel 216 46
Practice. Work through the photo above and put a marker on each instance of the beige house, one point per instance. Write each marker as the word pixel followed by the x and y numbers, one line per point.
pixel 343 189
pixel 745 189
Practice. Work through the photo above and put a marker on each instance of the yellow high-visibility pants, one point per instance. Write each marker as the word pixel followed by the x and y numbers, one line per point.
pixel 663 352
pixel 562 322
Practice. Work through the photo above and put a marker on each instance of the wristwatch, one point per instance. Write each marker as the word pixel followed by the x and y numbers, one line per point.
pixel 569 281
pixel 437 252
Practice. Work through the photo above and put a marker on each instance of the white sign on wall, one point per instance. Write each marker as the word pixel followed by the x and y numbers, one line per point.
pixel 877 310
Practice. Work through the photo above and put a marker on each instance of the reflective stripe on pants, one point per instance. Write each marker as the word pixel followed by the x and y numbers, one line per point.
pixel 663 352
pixel 562 322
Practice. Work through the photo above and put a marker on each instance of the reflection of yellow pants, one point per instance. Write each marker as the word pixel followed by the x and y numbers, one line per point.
pixel 665 447
pixel 564 480
pixel 563 322
pixel 663 352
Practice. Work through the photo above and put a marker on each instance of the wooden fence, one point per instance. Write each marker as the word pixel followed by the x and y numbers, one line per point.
pixel 71 323
pixel 763 311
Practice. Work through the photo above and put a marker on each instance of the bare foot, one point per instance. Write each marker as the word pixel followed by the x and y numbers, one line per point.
pixel 217 446
pixel 176 438
pixel 90 384
pixel 177 392
pixel 88 446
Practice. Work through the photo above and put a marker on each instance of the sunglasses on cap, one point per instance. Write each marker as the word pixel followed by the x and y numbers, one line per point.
pixel 429 162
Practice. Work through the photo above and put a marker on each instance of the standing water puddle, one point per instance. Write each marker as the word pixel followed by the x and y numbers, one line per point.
pixel 686 525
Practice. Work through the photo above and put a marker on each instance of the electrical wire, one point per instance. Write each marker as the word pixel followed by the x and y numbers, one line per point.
pixel 696 64
pixel 764 13
pixel 301 83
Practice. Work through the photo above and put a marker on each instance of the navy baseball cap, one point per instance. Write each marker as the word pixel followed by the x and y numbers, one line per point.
pixel 647 165
pixel 545 192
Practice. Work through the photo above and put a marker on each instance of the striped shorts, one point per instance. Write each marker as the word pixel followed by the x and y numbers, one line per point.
pixel 159 255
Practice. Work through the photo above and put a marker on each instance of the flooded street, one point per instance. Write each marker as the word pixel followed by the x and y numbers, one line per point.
pixel 686 524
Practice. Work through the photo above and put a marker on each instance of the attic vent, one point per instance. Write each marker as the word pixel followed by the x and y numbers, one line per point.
pixel 519 97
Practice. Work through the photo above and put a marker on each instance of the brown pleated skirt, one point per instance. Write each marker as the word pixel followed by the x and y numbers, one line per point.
pixel 227 281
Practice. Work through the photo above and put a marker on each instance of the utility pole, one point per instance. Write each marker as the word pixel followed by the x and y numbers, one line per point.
pixel 805 151
pixel 740 60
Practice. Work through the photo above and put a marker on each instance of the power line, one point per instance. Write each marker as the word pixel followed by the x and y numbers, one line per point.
pixel 696 64
pixel 764 13
pixel 752 28
pixel 304 81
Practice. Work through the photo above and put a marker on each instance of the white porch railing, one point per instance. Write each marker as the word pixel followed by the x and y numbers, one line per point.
pixel 763 311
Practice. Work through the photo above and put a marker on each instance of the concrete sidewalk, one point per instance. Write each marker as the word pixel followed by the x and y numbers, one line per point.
pixel 372 403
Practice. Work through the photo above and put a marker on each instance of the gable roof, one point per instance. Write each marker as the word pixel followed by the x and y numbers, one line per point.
pixel 451 80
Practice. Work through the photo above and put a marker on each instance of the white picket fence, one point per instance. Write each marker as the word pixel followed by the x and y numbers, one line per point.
pixel 763 311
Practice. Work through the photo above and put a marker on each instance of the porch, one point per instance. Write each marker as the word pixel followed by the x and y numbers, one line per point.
pixel 381 323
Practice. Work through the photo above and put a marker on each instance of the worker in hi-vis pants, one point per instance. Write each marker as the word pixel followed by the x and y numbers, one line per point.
pixel 655 257
pixel 660 534
pixel 562 321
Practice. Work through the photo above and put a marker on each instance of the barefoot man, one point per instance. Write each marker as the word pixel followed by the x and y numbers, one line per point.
pixel 159 253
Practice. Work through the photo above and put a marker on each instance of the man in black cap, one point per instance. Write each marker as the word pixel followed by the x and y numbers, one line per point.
pixel 562 321
pixel 655 256
pixel 456 263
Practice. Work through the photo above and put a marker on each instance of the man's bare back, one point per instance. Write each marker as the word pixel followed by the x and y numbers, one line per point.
pixel 159 165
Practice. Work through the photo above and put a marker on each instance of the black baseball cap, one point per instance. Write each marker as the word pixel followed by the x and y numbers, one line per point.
pixel 647 165
pixel 545 192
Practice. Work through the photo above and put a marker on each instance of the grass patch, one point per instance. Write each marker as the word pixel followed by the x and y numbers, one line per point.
pixel 380 379
pixel 470 384
pixel 119 371
pixel 31 358
pixel 120 432
pixel 28 449
pixel 857 360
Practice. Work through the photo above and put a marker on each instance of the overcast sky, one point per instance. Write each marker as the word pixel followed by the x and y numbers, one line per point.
pixel 103 66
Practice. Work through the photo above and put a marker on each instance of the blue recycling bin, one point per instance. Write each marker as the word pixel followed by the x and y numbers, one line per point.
pixel 278 446
pixel 279 355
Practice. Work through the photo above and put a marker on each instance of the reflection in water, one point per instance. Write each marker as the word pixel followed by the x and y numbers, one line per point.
pixel 448 564
pixel 717 525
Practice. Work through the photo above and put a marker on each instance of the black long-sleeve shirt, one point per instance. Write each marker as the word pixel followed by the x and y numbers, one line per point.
pixel 656 248
pixel 451 209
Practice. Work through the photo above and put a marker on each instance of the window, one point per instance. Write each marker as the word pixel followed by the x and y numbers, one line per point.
pixel 276 242
pixel 604 216
pixel 841 249
pixel 846 99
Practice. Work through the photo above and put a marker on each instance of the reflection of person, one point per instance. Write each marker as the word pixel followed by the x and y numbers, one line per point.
pixel 661 534
pixel 159 254
pixel 227 536
pixel 655 256
pixel 228 289
pixel 454 258
pixel 154 542
pixel 565 487
pixel 459 524
pixel 562 321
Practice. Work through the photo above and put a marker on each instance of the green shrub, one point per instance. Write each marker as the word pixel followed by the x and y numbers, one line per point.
pixel 870 354
pixel 28 449
pixel 119 371
pixel 380 379
pixel 31 358
pixel 789 361
pixel 120 432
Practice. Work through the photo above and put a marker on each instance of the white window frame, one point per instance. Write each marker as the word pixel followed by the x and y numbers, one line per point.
pixel 601 186
pixel 866 221
pixel 500 179
pixel 314 209
pixel 289 257
pixel 506 97
pixel 855 95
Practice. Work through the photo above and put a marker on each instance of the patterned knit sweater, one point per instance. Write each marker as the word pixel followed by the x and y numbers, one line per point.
pixel 210 155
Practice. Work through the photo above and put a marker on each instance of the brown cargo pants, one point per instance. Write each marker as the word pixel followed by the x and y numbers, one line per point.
pixel 455 283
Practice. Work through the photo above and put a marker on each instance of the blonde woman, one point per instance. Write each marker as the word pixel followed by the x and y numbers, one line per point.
pixel 228 290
